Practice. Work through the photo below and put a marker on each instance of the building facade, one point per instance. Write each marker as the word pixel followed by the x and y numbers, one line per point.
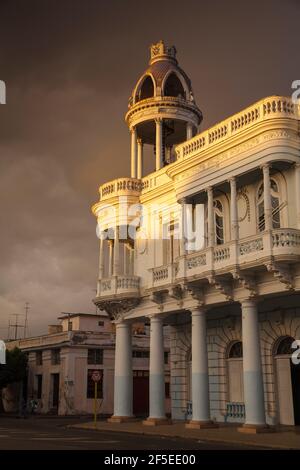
pixel 229 290
pixel 61 363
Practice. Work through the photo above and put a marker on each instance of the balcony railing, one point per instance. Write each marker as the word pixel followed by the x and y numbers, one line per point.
pixel 120 187
pixel 118 285
pixel 272 107
pixel 247 251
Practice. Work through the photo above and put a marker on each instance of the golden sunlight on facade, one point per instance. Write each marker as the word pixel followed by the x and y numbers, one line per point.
pixel 231 298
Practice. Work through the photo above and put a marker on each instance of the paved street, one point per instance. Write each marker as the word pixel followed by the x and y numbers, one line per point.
pixel 54 434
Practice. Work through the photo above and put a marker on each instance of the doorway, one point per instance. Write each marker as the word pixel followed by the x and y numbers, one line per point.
pixel 141 392
pixel 55 391
pixel 288 383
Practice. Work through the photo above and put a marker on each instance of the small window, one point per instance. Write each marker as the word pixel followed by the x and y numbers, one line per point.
pixel 236 350
pixel 100 323
pixel 39 358
pixel 140 354
pixel 166 357
pixel 39 386
pixel 285 346
pixel 95 356
pixel 90 391
pixel 167 389
pixel 55 357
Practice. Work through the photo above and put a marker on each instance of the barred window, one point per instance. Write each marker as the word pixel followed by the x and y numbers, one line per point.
pixel 95 356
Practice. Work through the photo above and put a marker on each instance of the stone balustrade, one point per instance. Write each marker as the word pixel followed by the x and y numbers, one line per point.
pixel 250 250
pixel 272 107
pixel 117 285
pixel 120 187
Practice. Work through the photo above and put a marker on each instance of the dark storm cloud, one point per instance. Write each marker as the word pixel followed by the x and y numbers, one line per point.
pixel 69 67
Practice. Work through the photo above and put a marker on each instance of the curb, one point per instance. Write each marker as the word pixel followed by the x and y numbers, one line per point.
pixel 204 439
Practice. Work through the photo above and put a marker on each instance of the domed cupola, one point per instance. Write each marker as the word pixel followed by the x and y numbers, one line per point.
pixel 162 110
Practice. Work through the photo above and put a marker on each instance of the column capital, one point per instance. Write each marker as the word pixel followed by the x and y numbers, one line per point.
pixel 297 165
pixel 248 302
pixel 158 120
pixel 156 318
pixel 198 310
pixel 266 166
pixel 232 179
pixel 183 200
pixel 139 141
pixel 132 129
pixel 209 190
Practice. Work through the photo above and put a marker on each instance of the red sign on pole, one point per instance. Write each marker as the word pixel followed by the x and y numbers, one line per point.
pixel 97 375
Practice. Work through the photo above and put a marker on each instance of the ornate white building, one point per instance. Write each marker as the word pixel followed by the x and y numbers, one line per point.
pixel 231 298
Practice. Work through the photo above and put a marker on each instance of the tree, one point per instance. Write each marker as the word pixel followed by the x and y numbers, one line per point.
pixel 14 370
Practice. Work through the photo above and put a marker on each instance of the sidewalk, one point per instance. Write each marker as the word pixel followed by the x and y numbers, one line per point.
pixel 287 438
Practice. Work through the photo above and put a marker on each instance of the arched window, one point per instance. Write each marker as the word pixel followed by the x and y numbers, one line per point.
pixel 173 86
pixel 146 90
pixel 285 346
pixel 235 372
pixel 236 350
pixel 275 202
pixel 219 222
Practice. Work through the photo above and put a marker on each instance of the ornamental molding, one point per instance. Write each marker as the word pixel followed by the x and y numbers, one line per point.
pixel 216 161
pixel 118 307
pixel 222 285
pixel 281 272
pixel 247 281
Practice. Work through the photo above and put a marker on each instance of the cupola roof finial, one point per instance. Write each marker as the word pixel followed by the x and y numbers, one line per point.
pixel 160 51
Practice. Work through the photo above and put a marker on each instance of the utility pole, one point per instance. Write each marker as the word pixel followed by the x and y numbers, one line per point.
pixel 16 325
pixel 26 318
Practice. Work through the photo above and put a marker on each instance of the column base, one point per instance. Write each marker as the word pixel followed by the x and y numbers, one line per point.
pixel 121 419
pixel 156 421
pixel 193 424
pixel 255 429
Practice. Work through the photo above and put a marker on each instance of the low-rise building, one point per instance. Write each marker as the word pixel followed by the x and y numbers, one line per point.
pixel 61 364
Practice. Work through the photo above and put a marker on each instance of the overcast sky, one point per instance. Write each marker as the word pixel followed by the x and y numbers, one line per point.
pixel 69 68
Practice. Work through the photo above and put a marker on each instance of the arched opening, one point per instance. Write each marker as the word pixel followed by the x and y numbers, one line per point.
pixel 288 382
pixel 275 202
pixel 173 86
pixel 235 372
pixel 146 90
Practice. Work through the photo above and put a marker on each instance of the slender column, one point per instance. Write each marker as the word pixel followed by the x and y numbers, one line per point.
pixel 267 198
pixel 157 373
pixel 200 381
pixel 210 217
pixel 125 259
pixel 159 144
pixel 297 192
pixel 183 203
pixel 133 152
pixel 234 210
pixel 139 158
pixel 110 257
pixel 131 261
pixel 189 131
pixel 123 373
pixel 101 256
pixel 253 378
pixel 116 252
